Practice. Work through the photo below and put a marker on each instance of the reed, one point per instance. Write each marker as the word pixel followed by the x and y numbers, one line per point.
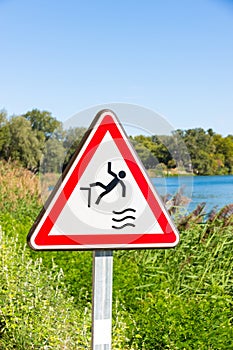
pixel 17 186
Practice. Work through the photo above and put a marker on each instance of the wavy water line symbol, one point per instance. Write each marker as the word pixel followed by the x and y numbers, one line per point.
pixel 127 217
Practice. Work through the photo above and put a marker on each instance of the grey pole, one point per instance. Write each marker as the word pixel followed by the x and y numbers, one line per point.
pixel 102 300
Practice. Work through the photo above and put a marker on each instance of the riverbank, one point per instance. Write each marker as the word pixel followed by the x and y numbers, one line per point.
pixel 160 172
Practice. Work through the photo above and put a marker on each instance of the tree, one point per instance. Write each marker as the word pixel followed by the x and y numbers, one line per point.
pixel 4 133
pixel 22 145
pixel 224 146
pixel 25 138
pixel 53 157
pixel 201 148
pixel 3 118
pixel 45 127
pixel 145 148
pixel 44 124
pixel 178 149
pixel 160 149
pixel 72 138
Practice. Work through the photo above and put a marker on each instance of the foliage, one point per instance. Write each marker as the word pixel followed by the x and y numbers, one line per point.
pixel 18 142
pixel 35 310
pixel 72 139
pixel 22 138
pixel 53 157
pixel 197 150
pixel 28 137
pixel 225 150
pixel 4 132
pixel 44 124
pixel 181 298
pixel 163 299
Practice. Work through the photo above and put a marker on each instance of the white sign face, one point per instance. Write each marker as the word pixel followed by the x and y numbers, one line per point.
pixel 105 200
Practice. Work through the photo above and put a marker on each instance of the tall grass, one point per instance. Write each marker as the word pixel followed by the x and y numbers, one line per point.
pixel 36 312
pixel 18 186
pixel 180 298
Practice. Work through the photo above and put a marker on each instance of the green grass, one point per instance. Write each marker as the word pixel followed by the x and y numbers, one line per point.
pixel 181 298
pixel 162 299
pixel 36 312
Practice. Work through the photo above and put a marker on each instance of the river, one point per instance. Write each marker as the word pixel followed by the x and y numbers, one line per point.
pixel 216 191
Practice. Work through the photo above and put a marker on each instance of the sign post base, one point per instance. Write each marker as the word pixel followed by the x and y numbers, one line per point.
pixel 102 300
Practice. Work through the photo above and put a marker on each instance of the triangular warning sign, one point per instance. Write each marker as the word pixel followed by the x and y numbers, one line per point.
pixel 105 199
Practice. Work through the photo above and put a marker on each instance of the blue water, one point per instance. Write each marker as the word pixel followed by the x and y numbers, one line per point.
pixel 215 191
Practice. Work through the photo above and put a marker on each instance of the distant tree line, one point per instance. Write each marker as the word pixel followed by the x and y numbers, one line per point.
pixel 194 150
pixel 37 140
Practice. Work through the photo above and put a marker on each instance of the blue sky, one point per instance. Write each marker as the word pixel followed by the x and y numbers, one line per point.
pixel 174 57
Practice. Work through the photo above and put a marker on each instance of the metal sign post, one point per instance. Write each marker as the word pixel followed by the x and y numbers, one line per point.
pixel 102 300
